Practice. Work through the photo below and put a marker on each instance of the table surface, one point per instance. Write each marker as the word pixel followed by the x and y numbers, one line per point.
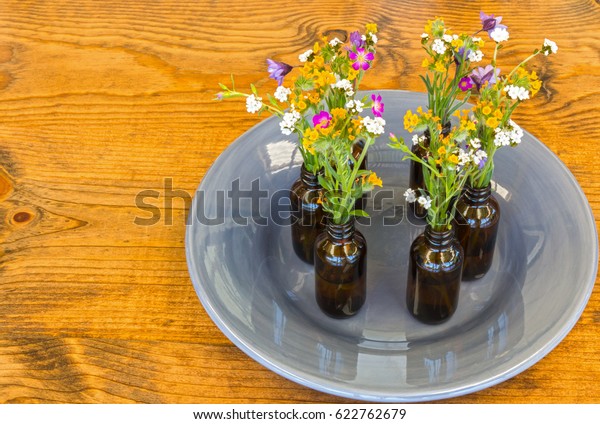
pixel 100 101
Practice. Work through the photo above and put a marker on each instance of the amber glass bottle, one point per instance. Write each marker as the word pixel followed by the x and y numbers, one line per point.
pixel 477 219
pixel 434 276
pixel 416 180
pixel 340 270
pixel 307 219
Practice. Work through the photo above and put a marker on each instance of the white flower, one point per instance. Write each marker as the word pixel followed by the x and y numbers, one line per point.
pixel 516 134
pixel 501 138
pixel 516 92
pixel 345 85
pixel 288 121
pixel 476 39
pixel 447 38
pixel 438 46
pixel 463 158
pixel 374 38
pixel 410 195
pixel 476 56
pixel 479 156
pixel 475 143
pixel 424 201
pixel 499 35
pixel 354 105
pixel 363 37
pixel 253 103
pixel 304 56
pixel 424 35
pixel 335 42
pixel 416 139
pixel 549 47
pixel 282 93
pixel 375 126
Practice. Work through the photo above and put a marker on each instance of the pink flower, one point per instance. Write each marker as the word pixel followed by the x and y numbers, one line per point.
pixel 322 119
pixel 465 84
pixel 378 106
pixel 361 59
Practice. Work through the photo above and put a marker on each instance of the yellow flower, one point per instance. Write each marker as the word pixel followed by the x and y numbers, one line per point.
pixel 316 47
pixel 339 113
pixel 453 159
pixel 492 122
pixel 410 121
pixel 307 143
pixel 375 180
pixel 301 105
pixel 311 134
pixel 372 28
pixel 325 78
pixel 318 62
pixel 486 110
pixel 535 87
pixel 314 98
pixel 352 74
pixel 428 27
pixel 457 43
pixel 439 66
pixel 498 114
pixel 441 151
pixel 480 42
pixel 425 63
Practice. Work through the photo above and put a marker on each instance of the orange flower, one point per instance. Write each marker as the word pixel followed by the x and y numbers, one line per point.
pixel 375 180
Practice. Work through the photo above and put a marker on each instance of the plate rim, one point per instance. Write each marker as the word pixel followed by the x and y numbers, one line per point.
pixel 358 393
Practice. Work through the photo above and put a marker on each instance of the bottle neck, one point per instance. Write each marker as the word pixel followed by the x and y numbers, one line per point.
pixel 478 195
pixel 439 238
pixel 340 233
pixel 309 179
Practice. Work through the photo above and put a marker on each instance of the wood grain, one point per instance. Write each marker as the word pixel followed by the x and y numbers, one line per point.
pixel 101 100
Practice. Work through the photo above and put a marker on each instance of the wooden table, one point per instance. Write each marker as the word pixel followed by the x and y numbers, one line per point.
pixel 102 100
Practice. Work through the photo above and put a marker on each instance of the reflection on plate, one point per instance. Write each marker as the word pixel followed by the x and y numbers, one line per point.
pixel 262 296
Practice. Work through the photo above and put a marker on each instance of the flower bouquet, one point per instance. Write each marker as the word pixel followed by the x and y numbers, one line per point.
pixel 490 127
pixel 320 105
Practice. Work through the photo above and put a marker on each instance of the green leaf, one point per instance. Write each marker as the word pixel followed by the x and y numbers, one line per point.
pixel 359 212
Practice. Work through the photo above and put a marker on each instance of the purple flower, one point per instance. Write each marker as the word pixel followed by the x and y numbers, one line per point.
pixel 322 119
pixel 465 84
pixel 378 106
pixel 482 162
pixel 356 39
pixel 361 59
pixel 219 96
pixel 278 70
pixel 489 23
pixel 482 75
pixel 461 55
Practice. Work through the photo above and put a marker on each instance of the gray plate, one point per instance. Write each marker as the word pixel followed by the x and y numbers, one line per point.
pixel 262 296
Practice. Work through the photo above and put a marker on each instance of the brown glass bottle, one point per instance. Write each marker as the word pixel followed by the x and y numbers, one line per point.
pixel 416 180
pixel 477 219
pixel 340 270
pixel 434 276
pixel 306 214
